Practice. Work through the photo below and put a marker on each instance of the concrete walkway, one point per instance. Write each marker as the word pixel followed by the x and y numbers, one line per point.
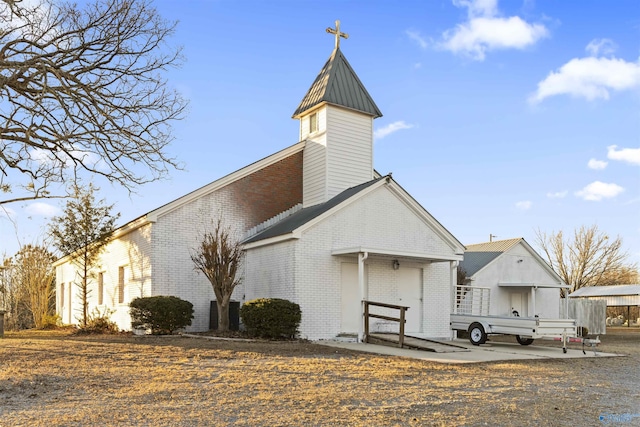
pixel 489 352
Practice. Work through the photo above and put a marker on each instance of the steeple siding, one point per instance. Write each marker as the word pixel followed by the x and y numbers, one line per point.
pixel 338 152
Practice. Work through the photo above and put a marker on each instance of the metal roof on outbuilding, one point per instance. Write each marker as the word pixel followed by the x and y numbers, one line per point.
pixel 497 246
pixel 606 291
pixel 477 256
pixel 338 84
pixel 475 261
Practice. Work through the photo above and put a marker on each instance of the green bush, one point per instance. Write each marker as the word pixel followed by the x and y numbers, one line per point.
pixel 162 314
pixel 271 317
pixel 100 323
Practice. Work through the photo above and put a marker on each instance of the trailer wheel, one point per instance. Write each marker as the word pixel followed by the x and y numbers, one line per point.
pixel 524 341
pixel 477 335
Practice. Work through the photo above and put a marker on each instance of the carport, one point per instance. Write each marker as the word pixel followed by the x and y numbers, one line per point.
pixel 615 296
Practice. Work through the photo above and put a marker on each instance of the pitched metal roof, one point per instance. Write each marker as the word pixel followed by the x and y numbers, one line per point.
pixel 301 217
pixel 475 261
pixel 477 256
pixel 606 291
pixel 497 246
pixel 338 84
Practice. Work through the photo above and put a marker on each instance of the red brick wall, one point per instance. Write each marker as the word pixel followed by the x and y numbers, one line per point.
pixel 270 191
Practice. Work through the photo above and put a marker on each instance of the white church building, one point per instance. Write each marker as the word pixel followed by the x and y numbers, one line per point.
pixel 320 227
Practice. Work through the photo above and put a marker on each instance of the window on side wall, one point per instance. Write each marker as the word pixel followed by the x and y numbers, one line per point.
pixel 313 123
pixel 100 288
pixel 61 295
pixel 120 285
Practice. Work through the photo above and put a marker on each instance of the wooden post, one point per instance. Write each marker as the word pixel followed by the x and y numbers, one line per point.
pixel 628 316
pixel 1 324
pixel 401 337
pixel 366 321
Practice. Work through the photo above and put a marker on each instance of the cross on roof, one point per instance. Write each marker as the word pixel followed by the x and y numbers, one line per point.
pixel 337 33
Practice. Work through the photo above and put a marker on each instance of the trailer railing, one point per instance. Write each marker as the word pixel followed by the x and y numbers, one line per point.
pixel 401 319
pixel 472 300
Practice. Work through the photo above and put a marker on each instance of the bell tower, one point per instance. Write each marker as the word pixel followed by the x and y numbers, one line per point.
pixel 336 121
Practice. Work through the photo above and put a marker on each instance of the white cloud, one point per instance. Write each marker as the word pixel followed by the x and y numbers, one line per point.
pixel 485 31
pixel 557 195
pixel 478 7
pixel 597 164
pixel 417 37
pixel 629 155
pixel 391 128
pixel 589 78
pixel 597 47
pixel 597 191
pixel 40 156
pixel 42 209
pixel 524 205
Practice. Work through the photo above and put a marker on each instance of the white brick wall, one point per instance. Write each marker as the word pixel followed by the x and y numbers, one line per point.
pixel 378 220
pixel 302 270
pixel 165 244
pixel 270 272
pixel 132 252
pixel 175 235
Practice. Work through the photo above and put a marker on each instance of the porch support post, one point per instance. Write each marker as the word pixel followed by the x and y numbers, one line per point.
pixel 362 256
pixel 453 282
pixel 533 301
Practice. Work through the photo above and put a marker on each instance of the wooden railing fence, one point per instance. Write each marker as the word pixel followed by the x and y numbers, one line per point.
pixel 401 319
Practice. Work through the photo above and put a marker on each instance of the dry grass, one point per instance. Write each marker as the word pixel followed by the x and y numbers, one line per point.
pixel 54 379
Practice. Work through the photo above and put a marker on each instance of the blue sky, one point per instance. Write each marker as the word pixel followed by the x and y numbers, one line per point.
pixel 499 118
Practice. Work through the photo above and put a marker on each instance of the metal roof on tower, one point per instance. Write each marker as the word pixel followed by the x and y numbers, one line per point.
pixel 339 85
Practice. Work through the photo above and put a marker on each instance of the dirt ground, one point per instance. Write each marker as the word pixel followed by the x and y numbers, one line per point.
pixel 54 379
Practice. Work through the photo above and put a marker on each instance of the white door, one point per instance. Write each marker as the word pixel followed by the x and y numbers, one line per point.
pixel 519 304
pixel 410 295
pixel 351 302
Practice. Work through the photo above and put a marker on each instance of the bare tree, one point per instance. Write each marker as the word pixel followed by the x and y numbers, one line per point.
pixel 83 91
pixel 81 233
pixel 587 259
pixel 14 298
pixel 218 257
pixel 33 273
pixel 625 275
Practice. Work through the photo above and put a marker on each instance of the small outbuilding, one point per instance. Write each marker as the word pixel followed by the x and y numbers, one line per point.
pixel 521 283
pixel 615 296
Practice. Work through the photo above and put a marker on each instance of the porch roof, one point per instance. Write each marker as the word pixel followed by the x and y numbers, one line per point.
pixel 392 253
pixel 532 285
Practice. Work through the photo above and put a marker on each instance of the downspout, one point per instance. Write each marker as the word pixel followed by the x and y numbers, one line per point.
pixel 362 256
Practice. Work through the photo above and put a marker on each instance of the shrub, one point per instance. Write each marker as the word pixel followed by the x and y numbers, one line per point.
pixel 162 314
pixel 271 317
pixel 100 323
pixel 50 321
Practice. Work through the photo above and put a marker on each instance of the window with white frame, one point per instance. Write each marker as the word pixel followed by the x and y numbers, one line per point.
pixel 313 123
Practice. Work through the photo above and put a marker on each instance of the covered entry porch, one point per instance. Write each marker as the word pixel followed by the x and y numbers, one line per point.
pixel 419 281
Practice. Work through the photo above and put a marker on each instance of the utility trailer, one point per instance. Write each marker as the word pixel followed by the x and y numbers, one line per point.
pixel 471 313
